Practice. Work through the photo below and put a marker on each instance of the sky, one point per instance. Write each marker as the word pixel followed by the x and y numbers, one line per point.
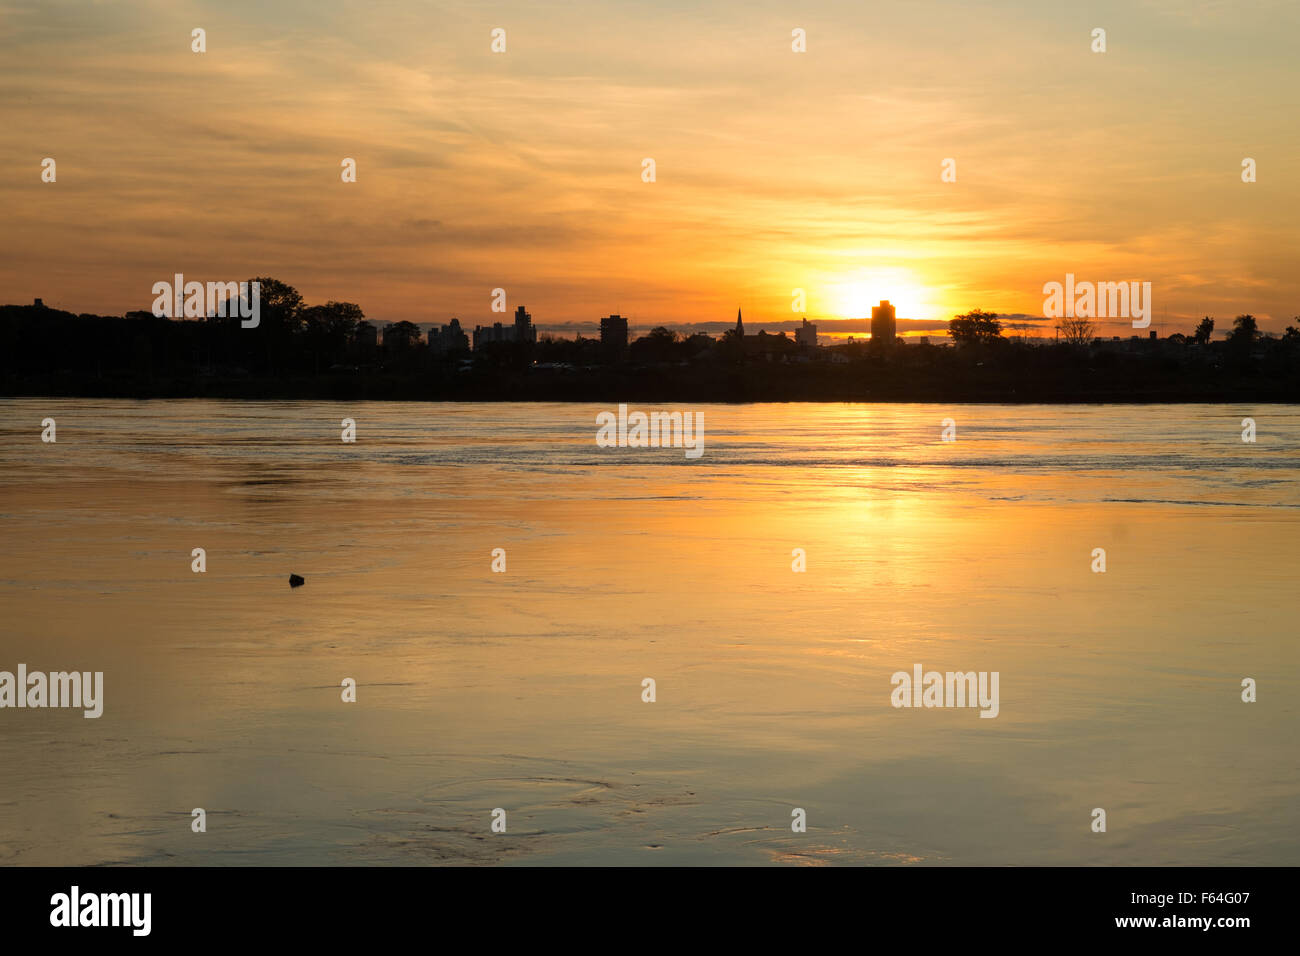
pixel 775 171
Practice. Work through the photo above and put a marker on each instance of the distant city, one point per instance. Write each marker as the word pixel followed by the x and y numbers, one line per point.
pixel 333 350
pixel 614 336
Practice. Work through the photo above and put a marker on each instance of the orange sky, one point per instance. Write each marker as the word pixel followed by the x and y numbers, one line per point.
pixel 775 170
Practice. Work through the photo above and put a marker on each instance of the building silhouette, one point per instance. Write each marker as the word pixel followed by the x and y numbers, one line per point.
pixel 523 331
pixel 490 334
pixel 449 338
pixel 613 336
pixel 884 326
pixel 740 325
pixel 806 335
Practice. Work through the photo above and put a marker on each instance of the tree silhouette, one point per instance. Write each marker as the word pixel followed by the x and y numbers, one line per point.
pixel 1244 330
pixel 280 312
pixel 401 335
pixel 280 305
pixel 329 330
pixel 975 328
pixel 660 345
pixel 1078 330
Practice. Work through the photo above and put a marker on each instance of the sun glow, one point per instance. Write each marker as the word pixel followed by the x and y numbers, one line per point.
pixel 854 297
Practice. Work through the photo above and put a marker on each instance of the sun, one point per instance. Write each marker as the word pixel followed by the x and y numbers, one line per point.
pixel 853 297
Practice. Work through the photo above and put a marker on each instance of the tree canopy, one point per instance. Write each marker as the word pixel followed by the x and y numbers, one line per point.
pixel 975 328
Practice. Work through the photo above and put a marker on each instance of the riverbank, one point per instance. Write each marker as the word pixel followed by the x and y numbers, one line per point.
pixel 1031 375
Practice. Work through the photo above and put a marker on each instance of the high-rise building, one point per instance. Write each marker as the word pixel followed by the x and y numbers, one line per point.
pixel 884 326
pixel 488 334
pixel 525 331
pixel 613 336
pixel 806 334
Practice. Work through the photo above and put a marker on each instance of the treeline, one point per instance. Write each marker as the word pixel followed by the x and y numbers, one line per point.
pixel 292 337
pixel 985 328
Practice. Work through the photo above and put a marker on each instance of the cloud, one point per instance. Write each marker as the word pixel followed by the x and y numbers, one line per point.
pixel 522 170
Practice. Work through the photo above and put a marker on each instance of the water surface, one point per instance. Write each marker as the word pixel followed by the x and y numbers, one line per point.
pixel 523 690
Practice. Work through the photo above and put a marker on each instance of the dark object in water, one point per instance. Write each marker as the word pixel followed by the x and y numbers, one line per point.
pixel 295 581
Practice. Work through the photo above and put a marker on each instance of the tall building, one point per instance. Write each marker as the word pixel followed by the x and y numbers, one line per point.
pixel 613 335
pixel 806 334
pixel 525 331
pixel 488 334
pixel 884 327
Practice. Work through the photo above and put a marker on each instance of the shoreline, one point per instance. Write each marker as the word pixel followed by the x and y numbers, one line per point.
pixel 398 390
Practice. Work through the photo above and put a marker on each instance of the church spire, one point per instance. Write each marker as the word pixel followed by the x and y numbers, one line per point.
pixel 740 324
